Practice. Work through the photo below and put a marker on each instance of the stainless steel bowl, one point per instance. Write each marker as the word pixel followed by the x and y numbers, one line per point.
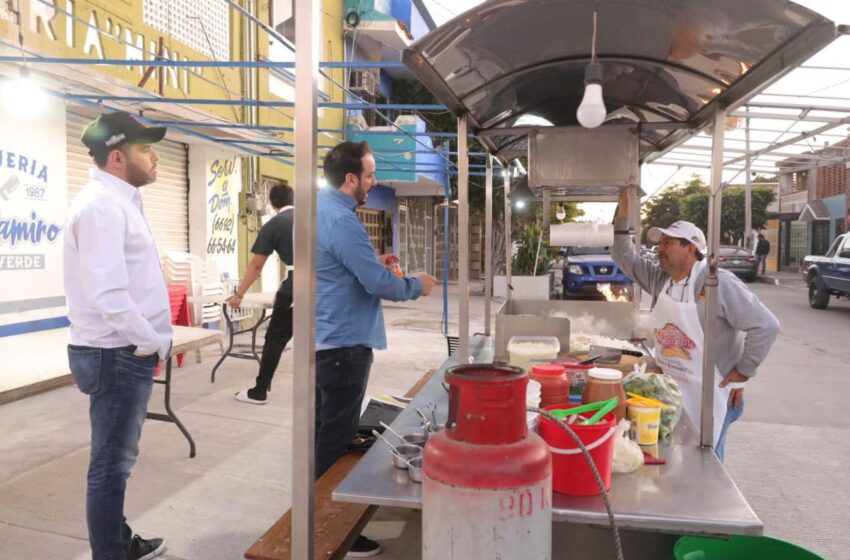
pixel 414 470
pixel 404 453
pixel 415 438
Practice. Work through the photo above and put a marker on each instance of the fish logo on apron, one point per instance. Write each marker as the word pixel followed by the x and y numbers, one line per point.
pixel 680 343
pixel 674 342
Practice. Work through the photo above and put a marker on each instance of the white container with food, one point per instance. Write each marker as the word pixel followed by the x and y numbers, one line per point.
pixel 526 351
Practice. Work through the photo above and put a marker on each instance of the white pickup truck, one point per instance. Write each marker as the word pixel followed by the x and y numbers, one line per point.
pixel 828 275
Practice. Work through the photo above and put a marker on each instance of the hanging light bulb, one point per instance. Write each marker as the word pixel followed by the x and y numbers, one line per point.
pixel 591 112
pixel 22 97
pixel 561 213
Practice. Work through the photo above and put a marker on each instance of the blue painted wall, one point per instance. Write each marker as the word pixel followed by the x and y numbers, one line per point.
pixel 417 26
pixel 33 326
pixel 401 10
pixel 836 206
pixel 387 154
pixel 383 198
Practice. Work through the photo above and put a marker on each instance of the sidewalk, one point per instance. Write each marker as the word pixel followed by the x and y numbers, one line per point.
pixel 212 507
pixel 786 279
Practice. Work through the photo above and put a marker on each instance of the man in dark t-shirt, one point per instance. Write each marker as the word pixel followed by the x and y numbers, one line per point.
pixel 762 251
pixel 274 236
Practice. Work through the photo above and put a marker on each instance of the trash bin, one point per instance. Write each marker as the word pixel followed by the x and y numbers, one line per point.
pixel 740 548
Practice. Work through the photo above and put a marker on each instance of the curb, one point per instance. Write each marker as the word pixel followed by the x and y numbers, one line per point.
pixel 768 280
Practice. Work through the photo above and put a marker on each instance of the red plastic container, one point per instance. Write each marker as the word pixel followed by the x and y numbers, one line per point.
pixel 571 474
pixel 554 386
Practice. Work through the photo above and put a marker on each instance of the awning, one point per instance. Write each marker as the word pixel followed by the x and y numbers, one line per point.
pixel 515 66
pixel 815 210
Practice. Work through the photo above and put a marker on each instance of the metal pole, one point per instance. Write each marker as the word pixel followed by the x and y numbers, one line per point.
pixel 447 248
pixel 748 194
pixel 488 243
pixel 634 210
pixel 463 242
pixel 304 389
pixel 715 202
pixel 508 243
pixel 547 208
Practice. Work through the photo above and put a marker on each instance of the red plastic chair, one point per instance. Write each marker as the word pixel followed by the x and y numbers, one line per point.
pixel 177 296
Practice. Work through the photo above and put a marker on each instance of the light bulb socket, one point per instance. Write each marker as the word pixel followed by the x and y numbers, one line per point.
pixel 593 73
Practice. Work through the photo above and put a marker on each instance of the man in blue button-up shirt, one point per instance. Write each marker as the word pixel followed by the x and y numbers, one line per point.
pixel 351 281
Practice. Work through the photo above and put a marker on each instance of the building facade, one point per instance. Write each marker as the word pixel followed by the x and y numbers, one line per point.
pixel 214 171
pixel 814 202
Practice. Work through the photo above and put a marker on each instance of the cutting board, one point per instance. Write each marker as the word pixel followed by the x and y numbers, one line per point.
pixel 626 365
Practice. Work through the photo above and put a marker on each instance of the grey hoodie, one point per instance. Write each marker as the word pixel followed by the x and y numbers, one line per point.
pixel 746 329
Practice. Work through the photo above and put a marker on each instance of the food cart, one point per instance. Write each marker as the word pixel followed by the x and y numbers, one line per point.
pixel 515 73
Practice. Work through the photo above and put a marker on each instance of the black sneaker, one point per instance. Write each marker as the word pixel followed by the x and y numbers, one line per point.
pixel 142 549
pixel 364 548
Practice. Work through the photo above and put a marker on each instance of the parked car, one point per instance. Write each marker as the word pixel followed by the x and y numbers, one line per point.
pixel 738 261
pixel 828 275
pixel 587 267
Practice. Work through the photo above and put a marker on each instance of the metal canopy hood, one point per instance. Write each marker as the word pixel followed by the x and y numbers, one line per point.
pixel 513 66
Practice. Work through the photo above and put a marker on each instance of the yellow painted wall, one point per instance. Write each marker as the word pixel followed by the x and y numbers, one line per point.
pixel 52 32
pixel 331 49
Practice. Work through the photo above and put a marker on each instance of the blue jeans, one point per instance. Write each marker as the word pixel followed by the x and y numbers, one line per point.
pixel 761 265
pixel 732 415
pixel 341 378
pixel 119 386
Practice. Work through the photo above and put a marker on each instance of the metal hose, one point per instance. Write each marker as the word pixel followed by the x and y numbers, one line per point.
pixel 617 544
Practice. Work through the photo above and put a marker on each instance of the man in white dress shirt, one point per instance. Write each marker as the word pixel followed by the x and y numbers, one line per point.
pixel 120 320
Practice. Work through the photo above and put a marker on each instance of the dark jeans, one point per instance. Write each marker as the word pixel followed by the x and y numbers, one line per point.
pixel 119 386
pixel 732 416
pixel 761 264
pixel 278 336
pixel 341 378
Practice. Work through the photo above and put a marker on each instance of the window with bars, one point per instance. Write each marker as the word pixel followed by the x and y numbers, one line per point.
pixel 181 20
pixel 374 222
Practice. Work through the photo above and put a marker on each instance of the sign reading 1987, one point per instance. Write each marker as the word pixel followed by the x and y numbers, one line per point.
pixel 23 183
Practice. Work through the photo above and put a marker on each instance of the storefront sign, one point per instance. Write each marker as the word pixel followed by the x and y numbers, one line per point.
pixel 224 181
pixel 33 188
pixel 127 29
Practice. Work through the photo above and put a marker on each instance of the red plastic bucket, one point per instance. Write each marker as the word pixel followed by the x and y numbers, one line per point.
pixel 571 474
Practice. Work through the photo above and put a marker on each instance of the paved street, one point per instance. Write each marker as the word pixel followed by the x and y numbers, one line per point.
pixel 790 454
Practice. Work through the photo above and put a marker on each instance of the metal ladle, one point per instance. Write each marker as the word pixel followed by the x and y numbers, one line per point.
pixel 425 421
pixel 413 439
pixel 400 459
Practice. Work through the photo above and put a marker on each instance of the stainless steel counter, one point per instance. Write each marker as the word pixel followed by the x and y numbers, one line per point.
pixel 691 494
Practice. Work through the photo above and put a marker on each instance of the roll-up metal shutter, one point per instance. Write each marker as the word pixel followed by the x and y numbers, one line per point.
pixel 166 202
pixel 79 160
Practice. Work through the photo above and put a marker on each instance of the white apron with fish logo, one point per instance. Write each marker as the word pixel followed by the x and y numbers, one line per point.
pixel 679 345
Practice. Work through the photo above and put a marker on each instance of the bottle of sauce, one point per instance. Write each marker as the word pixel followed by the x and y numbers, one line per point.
pixel 603 384
pixel 394 264
pixel 576 375
pixel 554 387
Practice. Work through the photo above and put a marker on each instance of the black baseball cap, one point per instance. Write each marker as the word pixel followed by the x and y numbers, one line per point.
pixel 108 132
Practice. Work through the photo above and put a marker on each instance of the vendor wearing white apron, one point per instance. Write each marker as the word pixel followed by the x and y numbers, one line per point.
pixel 746 329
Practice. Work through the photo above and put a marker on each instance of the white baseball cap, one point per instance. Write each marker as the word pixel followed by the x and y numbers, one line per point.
pixel 682 230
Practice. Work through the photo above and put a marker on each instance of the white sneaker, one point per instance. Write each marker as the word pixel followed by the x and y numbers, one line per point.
pixel 242 396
